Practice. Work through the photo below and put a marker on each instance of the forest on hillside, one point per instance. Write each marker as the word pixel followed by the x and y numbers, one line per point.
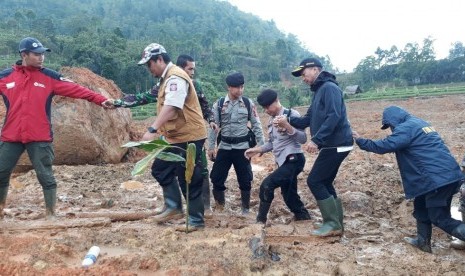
pixel 107 36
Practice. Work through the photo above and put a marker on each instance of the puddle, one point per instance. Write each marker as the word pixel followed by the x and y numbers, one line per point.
pixel 257 168
pixel 454 210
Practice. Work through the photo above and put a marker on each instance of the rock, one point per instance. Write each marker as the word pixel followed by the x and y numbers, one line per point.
pixel 357 202
pixel 85 133
pixel 132 185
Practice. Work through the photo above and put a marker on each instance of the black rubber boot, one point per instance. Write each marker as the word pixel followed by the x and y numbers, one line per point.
pixel 459 232
pixel 206 196
pixel 459 244
pixel 245 202
pixel 219 199
pixel 3 194
pixel 423 239
pixel 50 197
pixel 196 212
pixel 173 203
pixel 263 210
pixel 302 215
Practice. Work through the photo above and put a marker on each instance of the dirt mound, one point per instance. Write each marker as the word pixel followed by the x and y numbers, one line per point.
pixel 376 219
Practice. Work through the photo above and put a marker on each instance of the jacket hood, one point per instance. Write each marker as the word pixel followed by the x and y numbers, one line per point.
pixel 321 79
pixel 393 116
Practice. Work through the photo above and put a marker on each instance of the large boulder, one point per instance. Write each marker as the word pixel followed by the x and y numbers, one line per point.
pixel 85 133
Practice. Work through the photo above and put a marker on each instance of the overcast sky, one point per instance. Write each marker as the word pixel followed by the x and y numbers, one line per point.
pixel 348 31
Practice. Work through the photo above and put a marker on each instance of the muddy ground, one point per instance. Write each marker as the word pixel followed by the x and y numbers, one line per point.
pixel 104 206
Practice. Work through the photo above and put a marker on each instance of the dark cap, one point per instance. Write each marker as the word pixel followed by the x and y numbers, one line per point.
pixel 235 79
pixel 267 97
pixel 306 63
pixel 30 44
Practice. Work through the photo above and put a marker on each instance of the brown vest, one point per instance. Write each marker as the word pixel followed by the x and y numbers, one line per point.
pixel 188 124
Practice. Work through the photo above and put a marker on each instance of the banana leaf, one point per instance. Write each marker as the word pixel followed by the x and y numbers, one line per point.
pixel 190 162
pixel 148 145
pixel 140 166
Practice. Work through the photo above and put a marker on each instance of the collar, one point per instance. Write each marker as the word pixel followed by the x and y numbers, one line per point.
pixel 168 66
pixel 227 99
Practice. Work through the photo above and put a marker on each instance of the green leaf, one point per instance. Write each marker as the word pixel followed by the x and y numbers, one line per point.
pixel 140 166
pixel 169 156
pixel 148 145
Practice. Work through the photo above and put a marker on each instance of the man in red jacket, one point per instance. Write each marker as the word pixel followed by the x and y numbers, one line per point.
pixel 27 90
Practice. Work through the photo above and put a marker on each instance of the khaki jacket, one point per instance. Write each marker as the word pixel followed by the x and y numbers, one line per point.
pixel 188 124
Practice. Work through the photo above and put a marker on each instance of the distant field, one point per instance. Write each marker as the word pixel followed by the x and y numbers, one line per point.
pixel 408 92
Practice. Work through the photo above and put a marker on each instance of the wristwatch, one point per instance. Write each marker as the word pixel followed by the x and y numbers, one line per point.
pixel 152 130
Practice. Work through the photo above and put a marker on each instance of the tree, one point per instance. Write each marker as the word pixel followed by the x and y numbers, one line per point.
pixel 457 50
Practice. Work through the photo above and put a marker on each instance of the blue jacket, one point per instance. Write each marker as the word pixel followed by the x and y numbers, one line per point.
pixel 425 162
pixel 326 116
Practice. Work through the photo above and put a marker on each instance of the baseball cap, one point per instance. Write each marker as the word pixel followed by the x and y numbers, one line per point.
pixel 151 50
pixel 306 63
pixel 30 44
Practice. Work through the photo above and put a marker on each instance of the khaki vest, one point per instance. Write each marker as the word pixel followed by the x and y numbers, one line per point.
pixel 188 124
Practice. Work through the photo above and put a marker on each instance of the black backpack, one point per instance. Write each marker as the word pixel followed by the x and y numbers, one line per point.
pixel 251 135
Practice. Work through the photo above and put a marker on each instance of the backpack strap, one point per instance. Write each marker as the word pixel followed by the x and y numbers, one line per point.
pixel 220 107
pixel 287 112
pixel 246 102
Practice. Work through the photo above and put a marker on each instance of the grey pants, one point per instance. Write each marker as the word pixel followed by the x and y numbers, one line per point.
pixel 41 155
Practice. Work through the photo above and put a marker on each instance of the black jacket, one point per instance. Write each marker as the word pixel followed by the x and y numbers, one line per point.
pixel 326 116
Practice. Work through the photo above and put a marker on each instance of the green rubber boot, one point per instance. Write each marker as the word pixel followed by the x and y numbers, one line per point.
pixel 50 197
pixel 340 212
pixel 331 222
pixel 3 194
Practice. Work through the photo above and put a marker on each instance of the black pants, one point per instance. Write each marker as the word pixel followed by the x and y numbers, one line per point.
pixel 223 162
pixel 324 171
pixel 285 177
pixel 165 172
pixel 434 208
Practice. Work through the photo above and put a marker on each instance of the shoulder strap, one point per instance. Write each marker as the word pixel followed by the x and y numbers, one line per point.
pixel 287 112
pixel 247 104
pixel 220 107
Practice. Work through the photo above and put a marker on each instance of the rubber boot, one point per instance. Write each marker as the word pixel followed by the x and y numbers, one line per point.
pixel 219 199
pixel 3 194
pixel 245 202
pixel 196 212
pixel 459 244
pixel 331 225
pixel 459 232
pixel 173 203
pixel 50 197
pixel 303 214
pixel 263 210
pixel 340 212
pixel 423 239
pixel 206 197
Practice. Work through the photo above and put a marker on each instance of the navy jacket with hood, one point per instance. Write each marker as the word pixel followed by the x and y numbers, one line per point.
pixel 425 162
pixel 326 116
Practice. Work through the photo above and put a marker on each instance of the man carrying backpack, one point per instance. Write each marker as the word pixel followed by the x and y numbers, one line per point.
pixel 232 114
